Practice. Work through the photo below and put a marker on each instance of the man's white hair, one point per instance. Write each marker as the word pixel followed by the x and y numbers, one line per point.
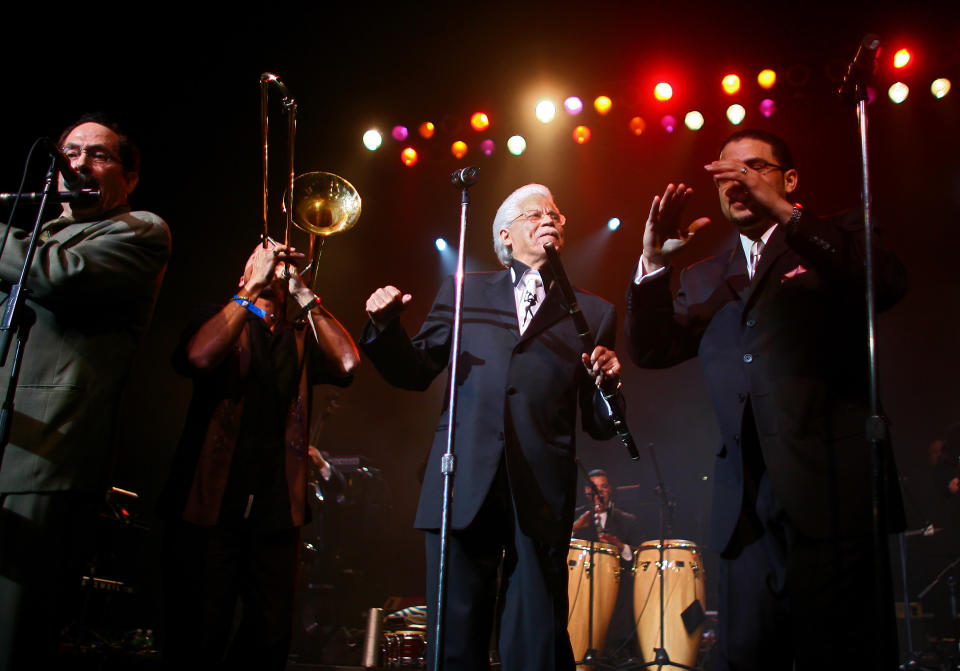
pixel 508 212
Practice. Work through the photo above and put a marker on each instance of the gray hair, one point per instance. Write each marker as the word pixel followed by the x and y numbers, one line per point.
pixel 508 212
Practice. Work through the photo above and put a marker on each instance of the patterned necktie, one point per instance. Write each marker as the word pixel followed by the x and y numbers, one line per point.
pixel 755 252
pixel 530 298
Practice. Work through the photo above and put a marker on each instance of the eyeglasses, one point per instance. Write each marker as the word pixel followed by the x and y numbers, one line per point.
pixel 761 166
pixel 95 154
pixel 755 164
pixel 533 216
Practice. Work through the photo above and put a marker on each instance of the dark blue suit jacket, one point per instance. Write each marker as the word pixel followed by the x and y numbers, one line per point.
pixel 517 395
pixel 792 343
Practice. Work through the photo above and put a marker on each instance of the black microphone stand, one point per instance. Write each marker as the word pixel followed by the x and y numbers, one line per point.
pixel 462 179
pixel 854 90
pixel 17 317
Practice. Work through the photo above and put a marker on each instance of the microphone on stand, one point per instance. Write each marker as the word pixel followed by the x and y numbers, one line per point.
pixel 861 70
pixel 82 196
pixel 464 178
pixel 73 180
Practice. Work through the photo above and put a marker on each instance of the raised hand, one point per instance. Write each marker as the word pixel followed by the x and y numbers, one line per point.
pixel 663 235
pixel 385 304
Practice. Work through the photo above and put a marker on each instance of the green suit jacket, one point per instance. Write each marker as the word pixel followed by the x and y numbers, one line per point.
pixel 92 288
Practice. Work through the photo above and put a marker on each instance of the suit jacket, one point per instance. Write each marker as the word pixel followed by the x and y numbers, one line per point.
pixel 792 344
pixel 620 523
pixel 517 395
pixel 92 288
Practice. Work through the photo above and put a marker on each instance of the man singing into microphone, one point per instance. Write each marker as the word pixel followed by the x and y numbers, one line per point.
pixel 523 373
pixel 778 323
pixel 92 287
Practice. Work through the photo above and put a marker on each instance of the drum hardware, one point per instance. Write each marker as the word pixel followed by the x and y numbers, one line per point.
pixel 371 640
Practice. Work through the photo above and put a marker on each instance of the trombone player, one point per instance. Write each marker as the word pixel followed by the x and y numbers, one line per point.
pixel 236 497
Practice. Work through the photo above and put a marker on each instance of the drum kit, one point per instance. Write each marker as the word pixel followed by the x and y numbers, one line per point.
pixel 668 590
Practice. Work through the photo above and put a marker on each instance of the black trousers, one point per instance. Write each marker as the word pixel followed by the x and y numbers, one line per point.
pixel 788 601
pixel 530 606
pixel 207 573
pixel 45 540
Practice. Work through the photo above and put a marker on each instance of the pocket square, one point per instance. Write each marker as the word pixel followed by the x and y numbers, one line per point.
pixel 799 270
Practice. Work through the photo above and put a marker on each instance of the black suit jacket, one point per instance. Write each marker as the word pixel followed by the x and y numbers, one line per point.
pixel 792 343
pixel 620 523
pixel 516 395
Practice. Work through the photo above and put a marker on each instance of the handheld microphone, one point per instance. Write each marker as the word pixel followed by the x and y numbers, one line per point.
pixel 464 178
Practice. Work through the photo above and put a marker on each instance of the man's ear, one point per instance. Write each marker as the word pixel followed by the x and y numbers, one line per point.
pixel 505 237
pixel 133 179
pixel 791 178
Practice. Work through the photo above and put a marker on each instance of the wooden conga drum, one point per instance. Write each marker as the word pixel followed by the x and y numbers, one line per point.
pixel 604 572
pixel 683 583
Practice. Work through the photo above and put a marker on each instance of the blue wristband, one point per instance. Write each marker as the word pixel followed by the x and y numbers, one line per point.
pixel 248 304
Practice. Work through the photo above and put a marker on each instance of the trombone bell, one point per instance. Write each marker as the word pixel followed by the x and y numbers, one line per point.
pixel 324 203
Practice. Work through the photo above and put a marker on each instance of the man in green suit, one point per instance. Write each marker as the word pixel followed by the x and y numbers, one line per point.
pixel 92 288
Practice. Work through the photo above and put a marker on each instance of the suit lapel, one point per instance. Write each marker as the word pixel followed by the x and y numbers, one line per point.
pixel 735 274
pixel 775 248
pixel 499 295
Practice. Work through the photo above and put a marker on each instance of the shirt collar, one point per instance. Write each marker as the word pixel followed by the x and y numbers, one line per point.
pixel 518 269
pixel 747 243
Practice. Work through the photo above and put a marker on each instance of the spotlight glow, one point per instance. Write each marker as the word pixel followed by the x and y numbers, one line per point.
pixel 372 139
pixel 573 105
pixel 730 84
pixel 516 145
pixel 693 120
pixel 898 92
pixel 637 125
pixel 613 223
pixel 736 114
pixel 940 87
pixel 767 107
pixel 767 78
pixel 581 134
pixel 546 111
pixel 487 147
pixel 602 104
pixel 480 121
pixel 427 129
pixel 400 133
pixel 669 123
pixel 459 149
pixel 409 156
pixel 663 91
pixel 441 244
pixel 901 59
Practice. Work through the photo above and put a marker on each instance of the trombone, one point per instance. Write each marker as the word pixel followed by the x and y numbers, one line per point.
pixel 319 203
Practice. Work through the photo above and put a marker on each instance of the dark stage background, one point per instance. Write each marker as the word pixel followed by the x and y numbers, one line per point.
pixel 185 82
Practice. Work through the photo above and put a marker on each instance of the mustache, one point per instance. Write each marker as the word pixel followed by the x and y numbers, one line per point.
pixel 87 181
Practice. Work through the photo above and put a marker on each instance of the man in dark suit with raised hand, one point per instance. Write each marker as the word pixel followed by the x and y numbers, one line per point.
pixel 778 323
pixel 523 374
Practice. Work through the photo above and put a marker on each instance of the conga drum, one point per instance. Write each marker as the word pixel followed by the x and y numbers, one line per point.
pixel 602 572
pixel 683 583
